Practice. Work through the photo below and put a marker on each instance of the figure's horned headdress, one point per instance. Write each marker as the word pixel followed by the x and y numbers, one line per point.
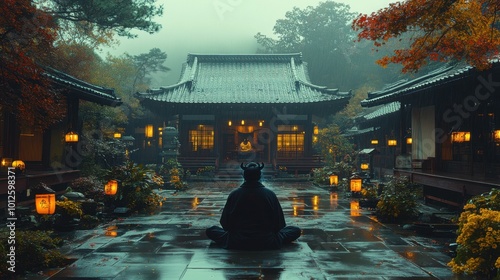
pixel 251 171
pixel 252 165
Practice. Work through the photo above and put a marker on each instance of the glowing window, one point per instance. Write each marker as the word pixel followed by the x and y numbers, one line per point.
pixel 202 138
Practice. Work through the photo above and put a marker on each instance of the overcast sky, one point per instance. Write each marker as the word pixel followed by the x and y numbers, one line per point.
pixel 218 26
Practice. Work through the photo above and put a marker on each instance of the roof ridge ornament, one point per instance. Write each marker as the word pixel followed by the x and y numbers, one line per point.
pixel 192 75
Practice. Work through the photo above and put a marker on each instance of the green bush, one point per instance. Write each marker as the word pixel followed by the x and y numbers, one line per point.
pixel 399 200
pixel 205 170
pixel 172 172
pixel 34 250
pixel 90 186
pixel 135 189
pixel 342 169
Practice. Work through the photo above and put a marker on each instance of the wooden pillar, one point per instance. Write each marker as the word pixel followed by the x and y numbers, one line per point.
pixel 11 134
pixel 402 128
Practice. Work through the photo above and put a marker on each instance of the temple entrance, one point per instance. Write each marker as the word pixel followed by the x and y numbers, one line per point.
pixel 244 144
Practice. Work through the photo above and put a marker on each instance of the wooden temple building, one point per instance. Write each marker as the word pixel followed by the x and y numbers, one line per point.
pixel 50 155
pixel 445 130
pixel 222 102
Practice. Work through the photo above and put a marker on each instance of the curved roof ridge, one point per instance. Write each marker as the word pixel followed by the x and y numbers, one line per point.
pixel 243 57
pixel 398 85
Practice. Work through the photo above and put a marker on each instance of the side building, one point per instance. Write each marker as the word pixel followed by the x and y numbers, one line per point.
pixel 49 155
pixel 447 132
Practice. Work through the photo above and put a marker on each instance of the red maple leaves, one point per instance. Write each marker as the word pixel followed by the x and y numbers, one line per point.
pixel 26 40
pixel 440 30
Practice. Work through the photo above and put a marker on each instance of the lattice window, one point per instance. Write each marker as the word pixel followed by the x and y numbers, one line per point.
pixel 202 138
pixel 290 143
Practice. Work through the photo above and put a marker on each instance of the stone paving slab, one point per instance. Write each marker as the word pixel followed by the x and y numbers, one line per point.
pixel 339 241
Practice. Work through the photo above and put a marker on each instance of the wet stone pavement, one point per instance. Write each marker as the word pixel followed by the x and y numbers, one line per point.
pixel 339 241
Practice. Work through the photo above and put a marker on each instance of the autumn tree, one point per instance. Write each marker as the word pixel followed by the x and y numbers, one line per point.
pixel 26 38
pixel 440 30
pixel 332 145
pixel 127 74
pixel 30 39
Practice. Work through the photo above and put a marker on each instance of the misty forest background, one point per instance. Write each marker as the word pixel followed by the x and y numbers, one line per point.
pixel 323 34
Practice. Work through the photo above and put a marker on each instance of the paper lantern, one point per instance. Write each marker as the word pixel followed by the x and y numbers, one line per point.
pixel 45 203
pixel 111 187
pixel 19 165
pixel 496 135
pixel 6 162
pixel 460 136
pixel 409 140
pixel 148 131
pixel 71 137
pixel 334 179
pixel 392 142
pixel 365 166
pixel 355 184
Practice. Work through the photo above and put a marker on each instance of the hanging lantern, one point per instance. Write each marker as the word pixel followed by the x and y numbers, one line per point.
pixel 334 179
pixel 71 137
pixel 45 203
pixel 229 123
pixel 392 142
pixel 365 166
pixel 6 162
pixel 148 131
pixel 242 122
pixel 316 130
pixel 374 141
pixel 460 136
pixel 111 187
pixel 356 183
pixel 409 140
pixel 496 135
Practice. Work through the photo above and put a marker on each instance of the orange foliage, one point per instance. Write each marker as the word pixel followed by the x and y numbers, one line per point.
pixel 442 30
pixel 26 40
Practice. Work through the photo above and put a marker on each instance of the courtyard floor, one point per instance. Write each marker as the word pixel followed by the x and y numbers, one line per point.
pixel 339 241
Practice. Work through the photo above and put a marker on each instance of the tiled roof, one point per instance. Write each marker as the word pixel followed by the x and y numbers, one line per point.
pixel 355 131
pixel 383 110
pixel 440 76
pixel 82 89
pixel 243 79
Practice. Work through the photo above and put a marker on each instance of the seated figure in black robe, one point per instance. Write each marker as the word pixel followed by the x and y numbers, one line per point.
pixel 252 218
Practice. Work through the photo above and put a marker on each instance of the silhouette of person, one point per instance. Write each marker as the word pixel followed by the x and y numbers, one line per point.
pixel 252 218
